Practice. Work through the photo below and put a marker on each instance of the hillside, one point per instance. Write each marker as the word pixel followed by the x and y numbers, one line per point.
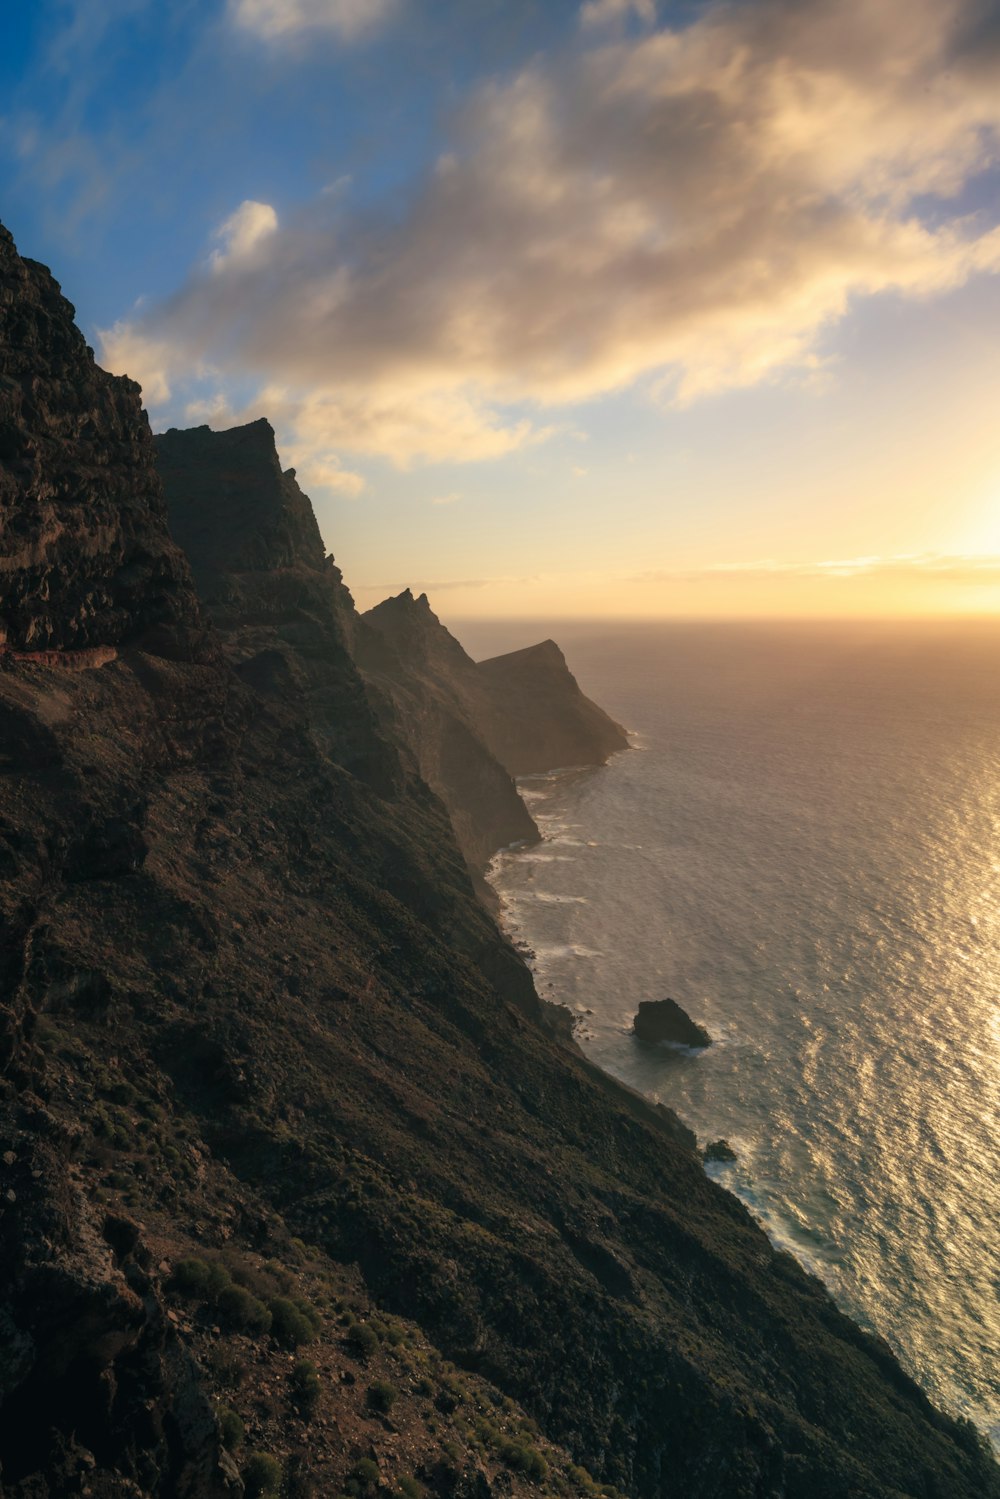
pixel 299 1177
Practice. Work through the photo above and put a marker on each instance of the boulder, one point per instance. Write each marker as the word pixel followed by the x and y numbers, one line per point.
pixel 664 1020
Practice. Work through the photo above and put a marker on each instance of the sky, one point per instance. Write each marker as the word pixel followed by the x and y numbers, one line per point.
pixel 611 309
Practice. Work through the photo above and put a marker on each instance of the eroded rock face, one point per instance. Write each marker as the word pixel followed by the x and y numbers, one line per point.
pixel 85 559
pixel 535 716
pixel 664 1020
pixel 232 509
pixel 284 618
pixel 429 684
pixel 474 726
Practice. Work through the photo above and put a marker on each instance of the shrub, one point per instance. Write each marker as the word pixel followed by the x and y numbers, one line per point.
pixel 232 1428
pixel 365 1474
pixel 306 1387
pixel 242 1312
pixel 262 1476
pixel 362 1340
pixel 382 1395
pixel 289 1323
pixel 198 1279
pixel 523 1459
pixel 410 1488
pixel 298 1482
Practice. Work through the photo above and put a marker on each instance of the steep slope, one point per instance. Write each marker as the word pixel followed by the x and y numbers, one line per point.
pixel 473 727
pixel 536 718
pixel 253 1014
pixel 526 707
pixel 85 563
pixel 415 665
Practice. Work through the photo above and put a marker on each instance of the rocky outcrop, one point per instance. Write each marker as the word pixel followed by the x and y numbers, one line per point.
pixel 85 561
pixel 475 726
pixel 664 1020
pixel 232 509
pixel 278 601
pixel 535 717
pixel 266 1026
pixel 426 684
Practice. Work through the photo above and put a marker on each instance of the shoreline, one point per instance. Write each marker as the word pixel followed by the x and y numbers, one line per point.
pixel 656 1112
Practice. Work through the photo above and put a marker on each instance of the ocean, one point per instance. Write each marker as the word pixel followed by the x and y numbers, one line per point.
pixel 802 847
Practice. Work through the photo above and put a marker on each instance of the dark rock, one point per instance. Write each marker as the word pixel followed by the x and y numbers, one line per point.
pixel 473 727
pixel 719 1150
pixel 428 687
pixel 536 718
pixel 86 564
pixel 664 1020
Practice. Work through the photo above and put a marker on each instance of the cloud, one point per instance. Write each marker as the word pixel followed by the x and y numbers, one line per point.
pixel 692 209
pixel 279 20
pixel 446 499
pixel 608 12
pixel 241 234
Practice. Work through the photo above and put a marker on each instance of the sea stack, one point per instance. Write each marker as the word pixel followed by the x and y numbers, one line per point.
pixel 664 1020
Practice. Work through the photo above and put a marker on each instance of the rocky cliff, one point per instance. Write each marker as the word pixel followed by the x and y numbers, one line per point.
pixel 416 667
pixel 535 716
pixel 296 1186
pixel 475 726
pixel 85 562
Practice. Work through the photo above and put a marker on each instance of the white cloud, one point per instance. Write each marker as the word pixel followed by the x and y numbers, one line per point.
pixel 240 235
pixel 446 499
pixel 608 12
pixel 279 20
pixel 692 208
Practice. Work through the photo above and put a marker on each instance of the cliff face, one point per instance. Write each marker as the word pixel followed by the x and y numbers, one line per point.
pixel 536 717
pixel 282 613
pixel 474 727
pixel 268 1074
pixel 417 667
pixel 85 562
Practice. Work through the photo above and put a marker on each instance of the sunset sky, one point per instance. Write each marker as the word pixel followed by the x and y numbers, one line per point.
pixel 558 309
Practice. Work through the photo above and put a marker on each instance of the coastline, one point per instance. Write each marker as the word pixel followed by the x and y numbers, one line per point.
pixel 775 1224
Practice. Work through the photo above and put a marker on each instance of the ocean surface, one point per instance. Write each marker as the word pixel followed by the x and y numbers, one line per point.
pixel 802 847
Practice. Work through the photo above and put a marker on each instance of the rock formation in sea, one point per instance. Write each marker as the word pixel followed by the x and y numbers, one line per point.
pixel 296 1183
pixel 665 1020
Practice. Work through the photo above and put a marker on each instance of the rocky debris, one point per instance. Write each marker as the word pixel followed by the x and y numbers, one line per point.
pixel 85 559
pixel 719 1150
pixel 91 1376
pixel 664 1020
